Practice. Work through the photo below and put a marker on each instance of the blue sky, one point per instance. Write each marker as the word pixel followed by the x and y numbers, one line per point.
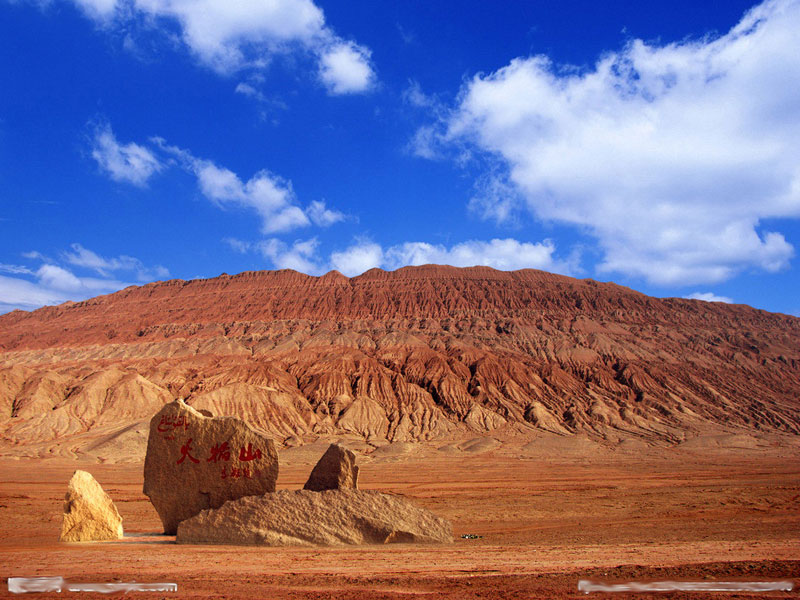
pixel 648 143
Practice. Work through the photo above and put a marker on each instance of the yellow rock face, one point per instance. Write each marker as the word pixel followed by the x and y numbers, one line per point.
pixel 89 513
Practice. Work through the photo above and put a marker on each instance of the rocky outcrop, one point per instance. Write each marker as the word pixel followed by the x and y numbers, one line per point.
pixel 89 513
pixel 195 462
pixel 303 518
pixel 336 470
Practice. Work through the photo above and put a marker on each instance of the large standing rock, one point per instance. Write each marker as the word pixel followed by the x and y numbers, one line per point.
pixel 303 517
pixel 195 462
pixel 335 470
pixel 89 513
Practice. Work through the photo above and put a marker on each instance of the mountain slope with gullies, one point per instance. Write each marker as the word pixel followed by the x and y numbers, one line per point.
pixel 423 354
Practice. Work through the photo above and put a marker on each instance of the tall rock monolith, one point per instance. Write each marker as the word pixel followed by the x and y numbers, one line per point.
pixel 195 462
pixel 89 513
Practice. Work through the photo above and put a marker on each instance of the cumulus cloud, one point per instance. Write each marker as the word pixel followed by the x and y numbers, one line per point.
pixel 504 254
pixel 123 162
pixel 300 256
pixel 344 69
pixel 50 283
pixel 359 257
pixel 269 195
pixel 58 278
pixel 671 155
pixel 231 35
pixel 364 254
pixel 709 297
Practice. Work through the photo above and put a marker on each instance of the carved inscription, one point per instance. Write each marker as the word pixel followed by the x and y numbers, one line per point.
pixel 221 452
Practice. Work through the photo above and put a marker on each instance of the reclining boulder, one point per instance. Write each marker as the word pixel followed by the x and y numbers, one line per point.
pixel 304 518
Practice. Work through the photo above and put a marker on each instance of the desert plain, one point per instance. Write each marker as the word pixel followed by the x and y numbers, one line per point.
pixel 547 517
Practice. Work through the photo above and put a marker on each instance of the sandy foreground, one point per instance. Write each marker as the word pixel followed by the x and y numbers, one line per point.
pixel 544 525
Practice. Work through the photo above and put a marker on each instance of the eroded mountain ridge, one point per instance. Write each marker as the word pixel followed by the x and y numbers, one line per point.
pixel 422 353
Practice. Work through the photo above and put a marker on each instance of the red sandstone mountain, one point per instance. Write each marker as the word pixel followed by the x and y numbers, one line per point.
pixel 422 353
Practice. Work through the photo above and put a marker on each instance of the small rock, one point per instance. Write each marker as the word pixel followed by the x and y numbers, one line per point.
pixel 89 513
pixel 335 470
pixel 195 462
pixel 303 518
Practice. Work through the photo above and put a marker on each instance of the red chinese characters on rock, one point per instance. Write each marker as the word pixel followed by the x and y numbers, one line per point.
pixel 186 450
pixel 220 452
pixel 237 473
pixel 247 454
pixel 170 423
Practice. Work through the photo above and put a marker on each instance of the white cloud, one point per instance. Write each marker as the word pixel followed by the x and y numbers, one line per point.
pixel 98 9
pixel 427 140
pixel 414 96
pixel 323 216
pixel 83 257
pixel 506 255
pixel 239 246
pixel 344 68
pixel 271 196
pixel 130 162
pixel 426 143
pixel 364 254
pixel 15 269
pixel 26 295
pixel 359 257
pixel 248 90
pixel 57 278
pixel 230 35
pixel 496 199
pixel 709 297
pixel 300 256
pixel 671 156
pixel 35 255
pixel 52 283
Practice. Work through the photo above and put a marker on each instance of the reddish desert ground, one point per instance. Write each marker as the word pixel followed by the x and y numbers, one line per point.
pixel 581 429
pixel 546 522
